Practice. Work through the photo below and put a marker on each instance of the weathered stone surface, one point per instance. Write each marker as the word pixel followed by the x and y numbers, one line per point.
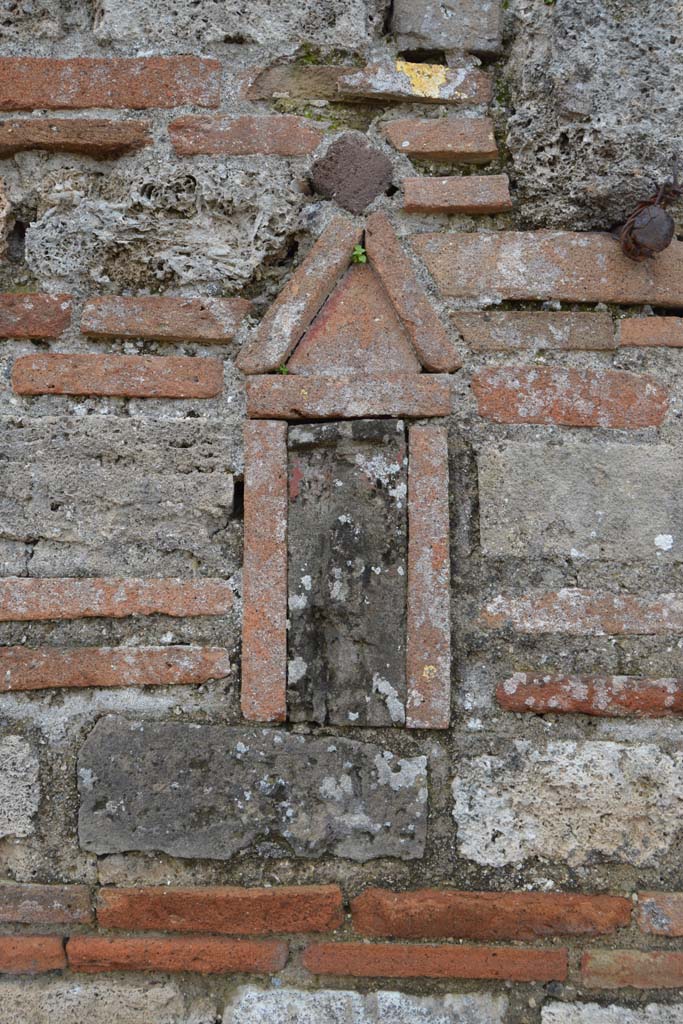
pixel 569 801
pixel 421 83
pixel 604 696
pixel 522 331
pixel 356 331
pixel 591 1013
pixel 582 612
pixel 180 788
pixel 163 318
pixel 255 1006
pixel 94 137
pixel 280 135
pixel 660 913
pixel 467 140
pixel 473 25
pixel 350 397
pixel 137 1000
pixel 295 81
pixel 45 904
pixel 352 172
pixel 19 786
pixel 594 500
pixel 347 573
pixel 471 194
pixel 55 373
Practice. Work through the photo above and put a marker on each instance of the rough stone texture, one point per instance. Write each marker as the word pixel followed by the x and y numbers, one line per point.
pixel 356 332
pixel 467 140
pixel 136 1000
pixel 336 398
pixel 597 108
pixel 180 788
pixel 93 953
pixel 164 318
pixel 652 331
pixel 593 500
pixel 29 83
pixel 380 960
pixel 352 172
pixel 342 23
pixel 660 913
pixel 569 801
pixel 564 265
pixel 241 136
pixel 591 1013
pixel 573 398
pixel 34 316
pixel 45 904
pixel 348 529
pixel 428 660
pixel 31 954
pixel 604 696
pixel 19 786
pixel 254 1006
pixel 474 25
pixel 420 83
pixel 93 137
pixel 471 194
pixel 54 373
pixel 587 613
pixel 628 968
pixel 23 668
pixel 524 332
pixel 264 630
pixel 432 344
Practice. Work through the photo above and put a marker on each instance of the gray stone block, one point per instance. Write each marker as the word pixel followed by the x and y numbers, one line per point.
pixel 198 790
pixel 472 25
pixel 591 1013
pixel 19 786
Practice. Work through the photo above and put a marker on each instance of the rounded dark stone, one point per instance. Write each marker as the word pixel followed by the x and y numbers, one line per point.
pixel 352 172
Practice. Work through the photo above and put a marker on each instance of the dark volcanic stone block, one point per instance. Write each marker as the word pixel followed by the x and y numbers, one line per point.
pixel 347 575
pixel 352 172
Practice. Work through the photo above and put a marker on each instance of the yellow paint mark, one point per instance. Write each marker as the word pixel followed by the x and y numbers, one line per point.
pixel 425 79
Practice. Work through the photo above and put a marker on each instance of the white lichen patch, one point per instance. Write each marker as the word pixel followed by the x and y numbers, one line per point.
pixel 395 705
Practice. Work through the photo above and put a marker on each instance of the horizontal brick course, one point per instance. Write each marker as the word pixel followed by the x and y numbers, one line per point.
pixel 56 373
pixel 660 913
pixel 473 194
pixel 163 318
pixel 23 668
pixel 602 696
pixel 137 83
pixel 566 265
pixel 572 398
pixel 34 316
pixel 420 83
pixel 24 599
pixel 223 910
pixel 93 953
pixel 45 904
pixel 31 954
pixel 277 135
pixel 628 968
pixel 652 331
pixel 438 913
pixel 331 398
pixel 587 613
pixel 446 139
pixel 394 960
pixel 97 138
pixel 293 81
pixel 522 331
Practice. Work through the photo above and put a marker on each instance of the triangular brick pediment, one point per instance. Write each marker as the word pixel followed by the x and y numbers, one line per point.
pixel 334 317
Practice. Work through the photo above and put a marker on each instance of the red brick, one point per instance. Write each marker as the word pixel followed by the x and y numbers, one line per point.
pixel 428 653
pixel 45 904
pixel 660 913
pixel 56 373
pixel 603 696
pixel 93 954
pixel 435 349
pixel 587 613
pixel 301 298
pixel 570 398
pixel 294 81
pixel 264 629
pixel 97 138
pixel 652 330
pixel 31 83
pixel 566 265
pixel 277 135
pixel 472 194
pixel 31 954
pixel 393 960
pixel 522 331
pixel 467 140
pixel 524 916
pixel 335 398
pixel 223 910
pixel 421 83
pixel 628 968
pixel 23 599
pixel 164 319
pixel 34 316
pixel 23 668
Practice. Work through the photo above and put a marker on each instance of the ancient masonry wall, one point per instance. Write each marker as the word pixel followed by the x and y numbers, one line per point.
pixel 193 831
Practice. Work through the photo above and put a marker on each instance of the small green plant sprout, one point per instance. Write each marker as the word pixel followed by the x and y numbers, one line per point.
pixel 359 254
pixel 282 368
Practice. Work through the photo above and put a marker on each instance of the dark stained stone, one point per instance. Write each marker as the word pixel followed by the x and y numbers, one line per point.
pixel 347 572
pixel 352 172
pixel 212 791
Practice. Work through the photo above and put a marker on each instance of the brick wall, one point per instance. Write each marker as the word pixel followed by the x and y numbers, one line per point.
pixel 192 828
